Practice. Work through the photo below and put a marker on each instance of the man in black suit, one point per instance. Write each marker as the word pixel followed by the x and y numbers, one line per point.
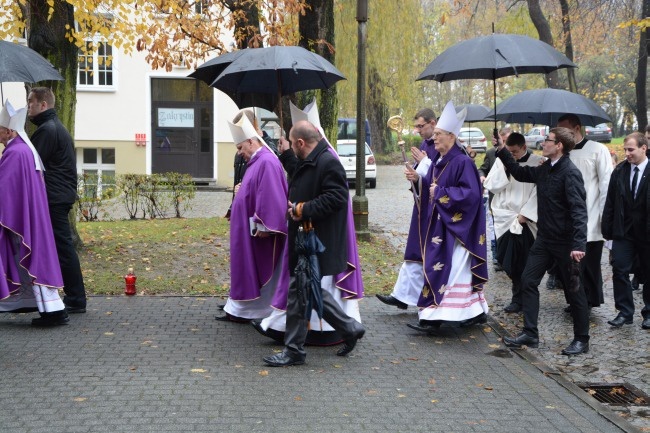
pixel 626 220
pixel 561 236
pixel 318 196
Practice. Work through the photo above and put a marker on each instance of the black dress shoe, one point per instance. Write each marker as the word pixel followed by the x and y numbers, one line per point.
pixel 390 300
pixel 430 327
pixel 521 340
pixel 282 360
pixel 635 283
pixel 553 283
pixel 619 321
pixel 75 310
pixel 50 321
pixel 348 345
pixel 269 332
pixel 478 320
pixel 512 308
pixel 576 348
pixel 646 323
pixel 497 266
pixel 230 318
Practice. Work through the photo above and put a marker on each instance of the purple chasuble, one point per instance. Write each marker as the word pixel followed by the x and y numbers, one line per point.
pixel 456 213
pixel 262 196
pixel 350 281
pixel 413 250
pixel 25 217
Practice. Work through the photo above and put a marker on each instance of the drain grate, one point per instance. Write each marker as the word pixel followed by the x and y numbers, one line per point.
pixel 616 394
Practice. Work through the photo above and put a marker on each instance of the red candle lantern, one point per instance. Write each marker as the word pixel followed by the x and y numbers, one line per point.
pixel 129 280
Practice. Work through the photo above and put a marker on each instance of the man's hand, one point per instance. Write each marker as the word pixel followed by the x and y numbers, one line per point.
pixel 522 219
pixel 292 211
pixel 283 144
pixel 411 174
pixel 418 155
pixel 432 191
pixel 498 143
pixel 577 255
pixel 237 188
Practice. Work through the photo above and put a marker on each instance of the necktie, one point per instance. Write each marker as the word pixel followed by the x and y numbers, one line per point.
pixel 634 179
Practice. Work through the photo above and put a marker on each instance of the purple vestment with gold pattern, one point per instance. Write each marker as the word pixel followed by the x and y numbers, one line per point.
pixel 455 213
pixel 413 250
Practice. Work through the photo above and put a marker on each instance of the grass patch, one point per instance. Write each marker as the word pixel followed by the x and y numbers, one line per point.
pixel 190 257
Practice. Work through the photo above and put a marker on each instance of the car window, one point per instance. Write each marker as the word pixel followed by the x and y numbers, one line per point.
pixel 350 149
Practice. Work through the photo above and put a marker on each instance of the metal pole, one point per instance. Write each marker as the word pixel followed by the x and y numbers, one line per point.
pixel 360 201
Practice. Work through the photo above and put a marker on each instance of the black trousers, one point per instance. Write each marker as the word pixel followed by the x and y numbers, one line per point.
pixel 542 255
pixel 623 254
pixel 73 283
pixel 512 254
pixel 592 276
pixel 296 327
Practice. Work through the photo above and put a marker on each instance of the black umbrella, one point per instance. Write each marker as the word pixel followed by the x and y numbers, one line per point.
pixel 545 106
pixel 19 63
pixel 211 69
pixel 261 76
pixel 475 112
pixel 495 56
pixel 307 270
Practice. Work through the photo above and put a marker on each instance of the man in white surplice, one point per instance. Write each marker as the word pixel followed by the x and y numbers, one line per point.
pixel 514 208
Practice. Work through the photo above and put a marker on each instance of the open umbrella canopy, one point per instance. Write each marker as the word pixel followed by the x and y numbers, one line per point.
pixel 495 56
pixel 19 63
pixel 475 112
pixel 260 76
pixel 546 106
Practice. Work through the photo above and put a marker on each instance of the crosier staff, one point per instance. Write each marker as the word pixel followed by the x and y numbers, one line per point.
pixel 396 123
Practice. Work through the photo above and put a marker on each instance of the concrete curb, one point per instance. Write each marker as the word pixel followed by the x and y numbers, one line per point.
pixel 565 382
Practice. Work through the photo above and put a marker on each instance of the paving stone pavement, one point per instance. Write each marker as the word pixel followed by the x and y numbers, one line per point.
pixel 615 356
pixel 163 364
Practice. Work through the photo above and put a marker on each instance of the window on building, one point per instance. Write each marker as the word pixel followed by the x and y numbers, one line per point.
pixel 201 6
pixel 96 67
pixel 97 168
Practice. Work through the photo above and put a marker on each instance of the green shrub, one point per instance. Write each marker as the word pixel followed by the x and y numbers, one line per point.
pixel 92 192
pixel 157 194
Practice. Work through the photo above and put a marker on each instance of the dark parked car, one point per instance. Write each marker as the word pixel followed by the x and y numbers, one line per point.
pixel 601 133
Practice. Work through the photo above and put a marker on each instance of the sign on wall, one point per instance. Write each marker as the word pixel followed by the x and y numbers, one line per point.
pixel 176 117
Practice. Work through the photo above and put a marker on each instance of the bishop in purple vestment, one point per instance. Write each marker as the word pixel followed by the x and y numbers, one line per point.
pixel 30 275
pixel 258 228
pixel 453 232
pixel 410 279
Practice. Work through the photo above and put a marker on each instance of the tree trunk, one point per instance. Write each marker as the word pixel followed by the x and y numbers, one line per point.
pixel 247 21
pixel 316 32
pixel 544 30
pixel 48 39
pixel 568 44
pixel 641 80
pixel 377 112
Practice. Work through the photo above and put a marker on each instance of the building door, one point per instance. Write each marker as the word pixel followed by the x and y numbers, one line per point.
pixel 182 132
